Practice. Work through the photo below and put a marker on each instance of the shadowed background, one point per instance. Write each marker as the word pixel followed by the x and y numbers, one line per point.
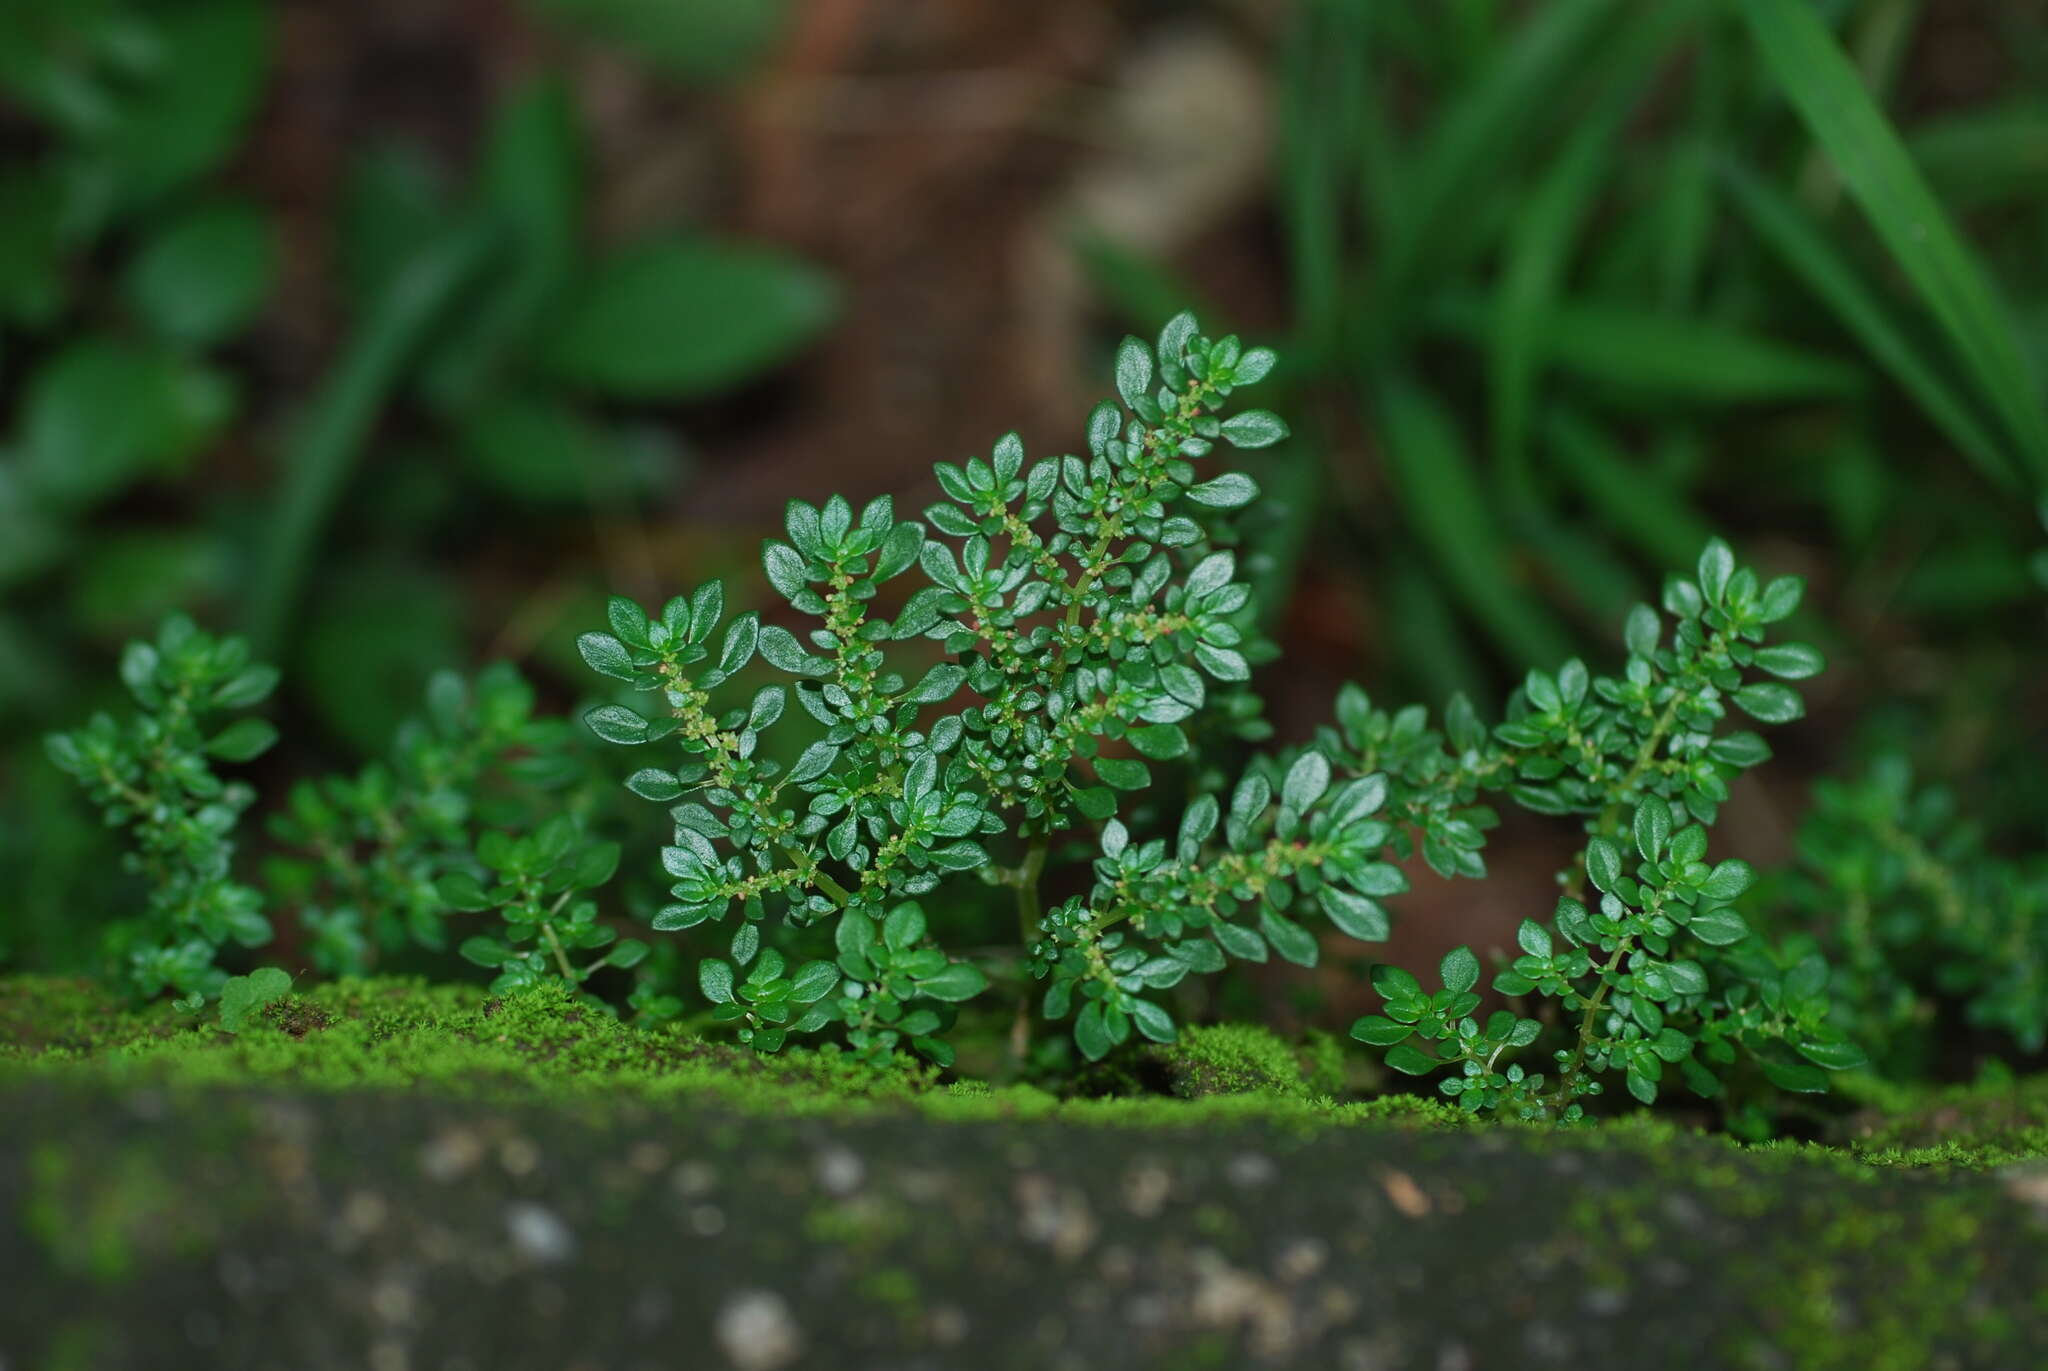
pixel 397 333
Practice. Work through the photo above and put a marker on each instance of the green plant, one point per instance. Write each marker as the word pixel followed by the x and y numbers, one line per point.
pixel 1086 630
pixel 154 775
pixel 241 996
pixel 1081 613
pixel 535 884
pixel 1897 884
pixel 1652 968
pixel 370 847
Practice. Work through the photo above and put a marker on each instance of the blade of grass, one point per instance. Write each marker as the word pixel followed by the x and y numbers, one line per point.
pixel 1539 250
pixel 1325 62
pixel 1446 505
pixel 1138 289
pixel 1686 207
pixel 1483 124
pixel 1654 359
pixel 1633 500
pixel 1823 86
pixel 1425 636
pixel 1985 156
pixel 1805 251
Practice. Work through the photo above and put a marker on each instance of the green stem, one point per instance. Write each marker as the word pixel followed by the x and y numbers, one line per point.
pixel 319 460
pixel 816 875
pixel 1570 1075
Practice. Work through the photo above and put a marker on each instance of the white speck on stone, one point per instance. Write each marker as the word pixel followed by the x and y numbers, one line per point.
pixel 757 1331
pixel 1302 1258
pixel 537 1234
pixel 451 1155
pixel 1146 1187
pixel 1249 1169
pixel 840 1171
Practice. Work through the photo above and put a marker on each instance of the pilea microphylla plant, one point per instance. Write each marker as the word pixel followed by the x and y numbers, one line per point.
pixel 153 774
pixel 1088 619
pixel 1067 627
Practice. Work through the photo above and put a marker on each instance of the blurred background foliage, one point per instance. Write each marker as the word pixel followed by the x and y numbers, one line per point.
pixel 395 333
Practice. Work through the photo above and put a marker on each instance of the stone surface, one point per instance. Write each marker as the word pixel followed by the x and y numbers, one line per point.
pixel 405 1231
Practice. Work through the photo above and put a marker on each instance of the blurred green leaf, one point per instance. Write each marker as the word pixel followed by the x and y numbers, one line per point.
pixel 101 414
pixel 697 40
pixel 32 283
pixel 187 113
pixel 1807 253
pixel 685 317
pixel 204 275
pixel 135 578
pixel 1826 90
pixel 394 203
pixel 1139 290
pixel 1654 359
pixel 30 538
pixel 1985 155
pixel 1538 251
pixel 1483 124
pixel 536 447
pixel 369 639
pixel 530 182
pixel 1631 497
pixel 1447 507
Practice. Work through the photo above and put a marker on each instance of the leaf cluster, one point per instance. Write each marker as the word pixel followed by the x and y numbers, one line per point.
pixel 152 774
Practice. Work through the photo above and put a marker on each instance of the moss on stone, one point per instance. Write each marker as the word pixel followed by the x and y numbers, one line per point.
pixel 1232 1059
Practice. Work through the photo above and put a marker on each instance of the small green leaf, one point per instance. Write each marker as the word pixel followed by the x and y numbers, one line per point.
pixel 242 741
pixel 1603 863
pixel 1460 969
pixel 1255 428
pixel 1134 375
pixel 1229 491
pixel 1790 661
pixel 1411 1060
pixel 606 655
pixel 959 981
pixel 1771 704
pixel 714 978
pixel 1380 1031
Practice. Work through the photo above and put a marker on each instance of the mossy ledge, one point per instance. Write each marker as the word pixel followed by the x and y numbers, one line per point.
pixel 378 1175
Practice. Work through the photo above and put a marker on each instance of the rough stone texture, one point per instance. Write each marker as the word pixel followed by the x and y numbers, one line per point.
pixel 155 1228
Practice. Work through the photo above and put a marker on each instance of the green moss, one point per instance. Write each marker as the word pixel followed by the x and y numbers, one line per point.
pixel 459 1041
pixel 1997 1120
pixel 1243 1059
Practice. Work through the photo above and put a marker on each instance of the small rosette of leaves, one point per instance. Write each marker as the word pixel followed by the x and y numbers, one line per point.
pixel 1433 777
pixel 536 883
pixel 1598 746
pixel 899 986
pixel 1159 912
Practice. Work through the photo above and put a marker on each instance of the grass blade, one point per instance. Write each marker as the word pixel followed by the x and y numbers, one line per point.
pixel 1653 359
pixel 1446 505
pixel 1539 250
pixel 1631 499
pixel 1484 124
pixel 1823 86
pixel 1806 252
